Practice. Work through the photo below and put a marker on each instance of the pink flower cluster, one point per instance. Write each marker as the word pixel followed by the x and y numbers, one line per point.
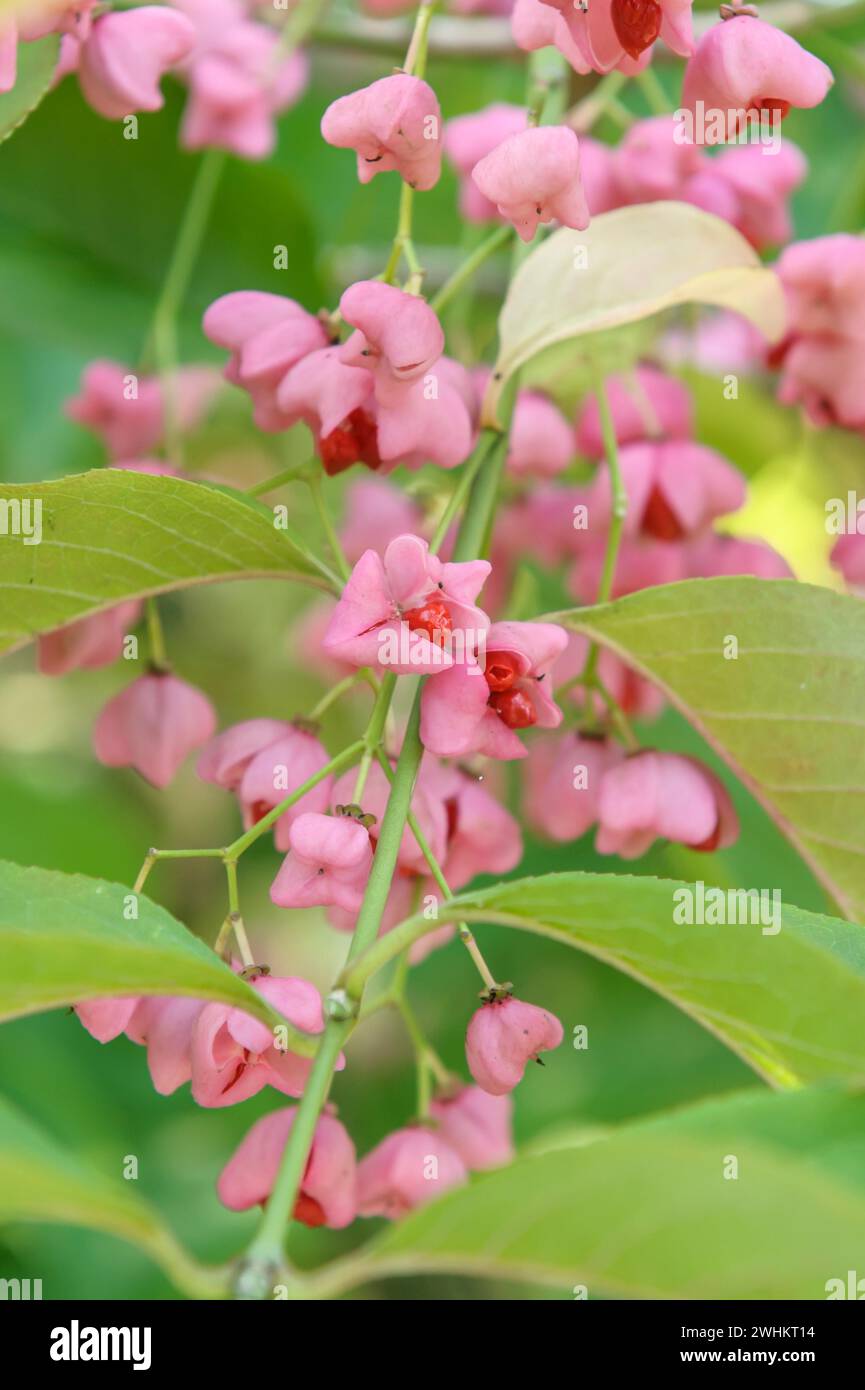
pixel 412 614
pixel 228 1056
pixel 741 67
pixel 392 125
pixel 742 71
pixel 746 185
pixel 576 782
pixel 127 410
pixel 606 34
pixel 745 69
pixel 329 842
pixel 120 58
pixel 404 609
pixel 36 21
pixel 470 1129
pixel 531 176
pixel 372 383
pixel 238 79
pixel 386 396
pixel 822 358
pixel 676 489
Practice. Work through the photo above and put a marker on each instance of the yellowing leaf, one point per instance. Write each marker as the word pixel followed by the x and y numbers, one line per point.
pixel 628 265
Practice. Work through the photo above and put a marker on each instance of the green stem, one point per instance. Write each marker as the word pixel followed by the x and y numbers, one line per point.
pixel 234 915
pixel 375 732
pixel 300 22
pixel 156 637
pixel 335 693
pixel 314 483
pixel 587 112
pixel 420 838
pixel 468 473
pixel 163 333
pixel 464 272
pixel 475 531
pixel 264 1257
pixel 191 232
pixel 186 853
pixel 296 473
pixel 415 58
pixel 403 246
pixel 402 242
pixel 653 91
pixel 233 896
pixel 617 519
pixel 428 1064
pixel 336 765
pixel 619 719
pixel 359 971
pixel 153 855
pixel 474 950
pixel 196 1281
pixel 437 872
pixel 220 945
pixel 425 849
pixel 390 834
pixel 362 776
pixel 418 1042
pixel 548 75
pixel 618 112
pixel 144 872
pixel 266 1251
pixel 640 396
pixel 242 939
pixel 619 495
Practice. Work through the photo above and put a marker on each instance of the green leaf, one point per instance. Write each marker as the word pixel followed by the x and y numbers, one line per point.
pixel 64 938
pixel 113 535
pixel 628 265
pixel 790 1002
pixel 649 1213
pixel 786 714
pixel 36 64
pixel 41 1181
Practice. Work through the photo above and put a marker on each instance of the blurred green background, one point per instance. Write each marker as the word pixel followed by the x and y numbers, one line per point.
pixel 87 221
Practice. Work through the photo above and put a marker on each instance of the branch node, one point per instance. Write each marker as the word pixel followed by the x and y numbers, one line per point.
pixel 340 1006
pixel 255 1279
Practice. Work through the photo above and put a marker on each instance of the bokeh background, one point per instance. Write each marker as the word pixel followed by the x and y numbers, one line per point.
pixel 87 221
